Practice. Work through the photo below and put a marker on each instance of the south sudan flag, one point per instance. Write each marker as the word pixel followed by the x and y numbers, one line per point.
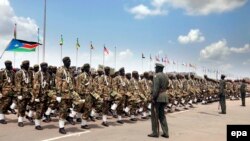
pixel 21 46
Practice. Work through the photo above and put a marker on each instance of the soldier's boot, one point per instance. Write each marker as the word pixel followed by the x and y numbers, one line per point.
pixel 2 119
pixel 38 124
pixel 12 108
pixel 61 126
pixel 53 113
pixel 133 118
pixel 144 115
pixel 46 118
pixel 92 118
pixel 70 120
pixel 104 119
pixel 20 121
pixel 185 107
pixel 84 124
pixel 120 120
pixel 62 131
pixel 78 117
pixel 29 116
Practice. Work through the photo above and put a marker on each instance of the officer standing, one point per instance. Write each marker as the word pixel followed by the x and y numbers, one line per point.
pixel 159 101
pixel 222 94
pixel 243 92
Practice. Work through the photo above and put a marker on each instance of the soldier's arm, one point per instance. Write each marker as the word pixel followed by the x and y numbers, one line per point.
pixel 156 87
pixel 36 86
pixel 1 81
pixel 59 80
pixel 18 81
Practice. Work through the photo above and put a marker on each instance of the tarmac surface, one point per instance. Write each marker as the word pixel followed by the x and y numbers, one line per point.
pixel 202 123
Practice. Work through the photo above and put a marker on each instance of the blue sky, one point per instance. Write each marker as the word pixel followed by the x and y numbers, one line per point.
pixel 220 31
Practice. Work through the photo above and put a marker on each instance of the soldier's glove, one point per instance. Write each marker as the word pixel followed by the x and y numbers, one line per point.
pixel 20 97
pixel 1 95
pixel 58 99
pixel 37 100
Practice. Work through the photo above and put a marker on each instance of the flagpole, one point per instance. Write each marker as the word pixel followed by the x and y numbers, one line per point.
pixel 38 46
pixel 44 31
pixel 14 62
pixel 142 63
pixel 115 57
pixel 76 56
pixel 90 53
pixel 103 56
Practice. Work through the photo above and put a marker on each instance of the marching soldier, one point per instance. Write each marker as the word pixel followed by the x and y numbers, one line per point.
pixel 23 90
pixel 40 93
pixel 7 86
pixel 84 87
pixel 159 101
pixel 222 94
pixel 105 84
pixel 64 87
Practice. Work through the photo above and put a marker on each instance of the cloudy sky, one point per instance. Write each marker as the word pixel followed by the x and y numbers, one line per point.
pixel 212 34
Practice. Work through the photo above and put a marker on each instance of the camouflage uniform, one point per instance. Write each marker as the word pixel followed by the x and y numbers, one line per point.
pixel 6 91
pixel 23 89
pixel 40 93
pixel 64 87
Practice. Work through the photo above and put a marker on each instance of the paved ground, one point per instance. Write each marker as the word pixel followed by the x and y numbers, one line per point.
pixel 201 123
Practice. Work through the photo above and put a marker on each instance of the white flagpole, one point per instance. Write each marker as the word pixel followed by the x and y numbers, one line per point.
pixel 90 53
pixel 115 57
pixel 38 46
pixel 103 56
pixel 44 30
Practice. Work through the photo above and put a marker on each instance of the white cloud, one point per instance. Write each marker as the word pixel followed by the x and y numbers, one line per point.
pixel 220 50
pixel 126 53
pixel 206 7
pixel 247 62
pixel 193 36
pixel 191 7
pixel 244 49
pixel 26 29
pixel 141 11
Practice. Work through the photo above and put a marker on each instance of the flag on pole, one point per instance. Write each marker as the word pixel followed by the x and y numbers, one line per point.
pixel 142 56
pixel 77 44
pixel 21 46
pixel 61 41
pixel 91 45
pixel 15 31
pixel 150 57
pixel 106 51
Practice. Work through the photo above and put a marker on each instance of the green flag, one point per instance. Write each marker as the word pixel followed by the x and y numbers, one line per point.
pixel 77 44
pixel 61 41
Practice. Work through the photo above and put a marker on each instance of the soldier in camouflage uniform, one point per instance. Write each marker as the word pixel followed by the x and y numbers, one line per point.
pixel 6 89
pixel 119 89
pixel 64 88
pixel 105 84
pixel 84 87
pixel 40 93
pixel 23 90
pixel 145 90
pixel 135 99
pixel 243 89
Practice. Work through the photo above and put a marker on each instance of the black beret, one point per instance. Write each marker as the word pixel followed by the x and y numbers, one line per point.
pixel 66 58
pixel 158 65
pixel 25 62
pixel 8 62
pixel 44 63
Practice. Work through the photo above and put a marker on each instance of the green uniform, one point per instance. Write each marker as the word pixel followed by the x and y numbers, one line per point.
pixel 159 95
pixel 243 93
pixel 222 96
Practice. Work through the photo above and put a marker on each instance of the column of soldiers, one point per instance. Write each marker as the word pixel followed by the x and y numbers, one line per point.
pixel 77 96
